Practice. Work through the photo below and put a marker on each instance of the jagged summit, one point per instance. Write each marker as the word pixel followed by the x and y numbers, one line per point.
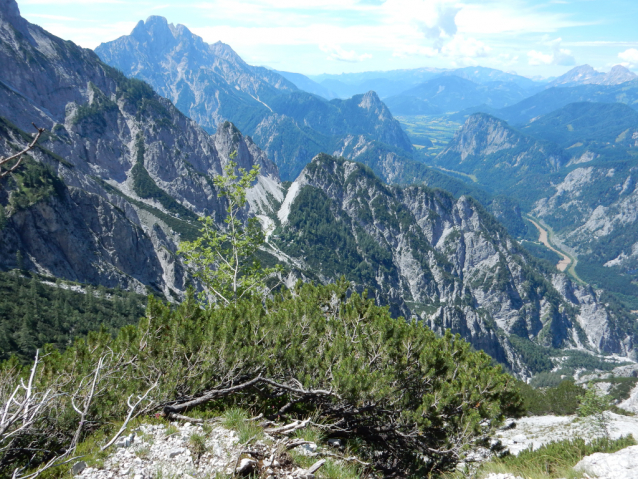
pixel 10 13
pixel 586 75
pixel 580 74
pixel 9 9
pixel 156 35
pixel 211 84
pixel 619 74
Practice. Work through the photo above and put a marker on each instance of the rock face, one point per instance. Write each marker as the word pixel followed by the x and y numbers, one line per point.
pixel 588 227
pixel 619 465
pixel 126 172
pixel 586 75
pixel 536 431
pixel 211 83
pixel 489 148
pixel 182 67
pixel 441 260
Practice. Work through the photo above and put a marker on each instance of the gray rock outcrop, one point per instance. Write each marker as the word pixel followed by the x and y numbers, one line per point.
pixel 135 172
pixel 447 262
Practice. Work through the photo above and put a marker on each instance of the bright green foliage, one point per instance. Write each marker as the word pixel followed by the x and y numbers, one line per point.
pixel 197 445
pixel 593 406
pixel 225 262
pixel 35 182
pixel 237 419
pixel 394 386
pixel 555 459
pixel 560 400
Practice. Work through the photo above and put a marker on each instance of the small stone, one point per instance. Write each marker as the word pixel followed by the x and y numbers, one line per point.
pixel 246 466
pixel 175 452
pixel 307 449
pixel 519 438
pixel 138 476
pixel 78 467
pixel 334 442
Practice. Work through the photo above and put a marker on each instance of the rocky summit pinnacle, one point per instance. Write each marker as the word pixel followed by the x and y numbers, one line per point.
pixel 9 9
pixel 211 84
pixel 619 74
pixel 10 13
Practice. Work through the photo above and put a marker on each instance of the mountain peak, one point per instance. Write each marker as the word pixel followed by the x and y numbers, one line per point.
pixel 155 26
pixel 371 101
pixel 586 75
pixel 579 74
pixel 9 9
pixel 619 74
pixel 10 13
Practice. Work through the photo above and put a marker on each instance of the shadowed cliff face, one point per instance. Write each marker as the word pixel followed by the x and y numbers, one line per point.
pixel 212 84
pixel 136 172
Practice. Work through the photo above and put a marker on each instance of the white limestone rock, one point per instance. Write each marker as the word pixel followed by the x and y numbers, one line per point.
pixel 618 465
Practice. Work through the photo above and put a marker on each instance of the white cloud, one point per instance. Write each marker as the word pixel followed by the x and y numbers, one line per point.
pixel 89 36
pixel 405 51
pixel 493 18
pixel 463 47
pixel 538 58
pixel 630 56
pixel 335 52
pixel 558 55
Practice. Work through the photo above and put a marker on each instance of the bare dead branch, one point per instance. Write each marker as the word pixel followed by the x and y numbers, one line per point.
pixel 20 156
pixel 213 394
pixel 132 408
pixel 87 404
pixel 288 428
pixel 179 417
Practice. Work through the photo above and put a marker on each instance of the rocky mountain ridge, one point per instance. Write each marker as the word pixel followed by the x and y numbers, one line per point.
pixel 441 260
pixel 210 84
pixel 575 170
pixel 119 174
pixel 451 93
pixel 489 148
pixel 586 75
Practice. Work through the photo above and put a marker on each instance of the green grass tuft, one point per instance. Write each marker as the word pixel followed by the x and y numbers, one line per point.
pixel 553 460
pixel 237 420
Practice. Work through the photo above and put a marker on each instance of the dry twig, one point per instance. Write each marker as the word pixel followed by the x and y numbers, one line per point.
pixel 20 156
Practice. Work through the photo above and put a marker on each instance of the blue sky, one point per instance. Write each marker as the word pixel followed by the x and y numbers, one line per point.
pixel 530 37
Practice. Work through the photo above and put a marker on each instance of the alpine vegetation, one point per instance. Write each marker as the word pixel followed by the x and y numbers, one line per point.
pixel 413 401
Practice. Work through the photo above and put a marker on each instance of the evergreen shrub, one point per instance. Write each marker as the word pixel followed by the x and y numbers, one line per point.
pixel 414 401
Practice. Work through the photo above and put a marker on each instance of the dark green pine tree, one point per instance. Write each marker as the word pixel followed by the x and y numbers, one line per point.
pixel 25 337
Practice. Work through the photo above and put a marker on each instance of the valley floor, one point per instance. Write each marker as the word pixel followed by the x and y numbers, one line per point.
pixel 568 263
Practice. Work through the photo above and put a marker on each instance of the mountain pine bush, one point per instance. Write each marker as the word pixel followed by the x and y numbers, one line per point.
pixel 412 399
